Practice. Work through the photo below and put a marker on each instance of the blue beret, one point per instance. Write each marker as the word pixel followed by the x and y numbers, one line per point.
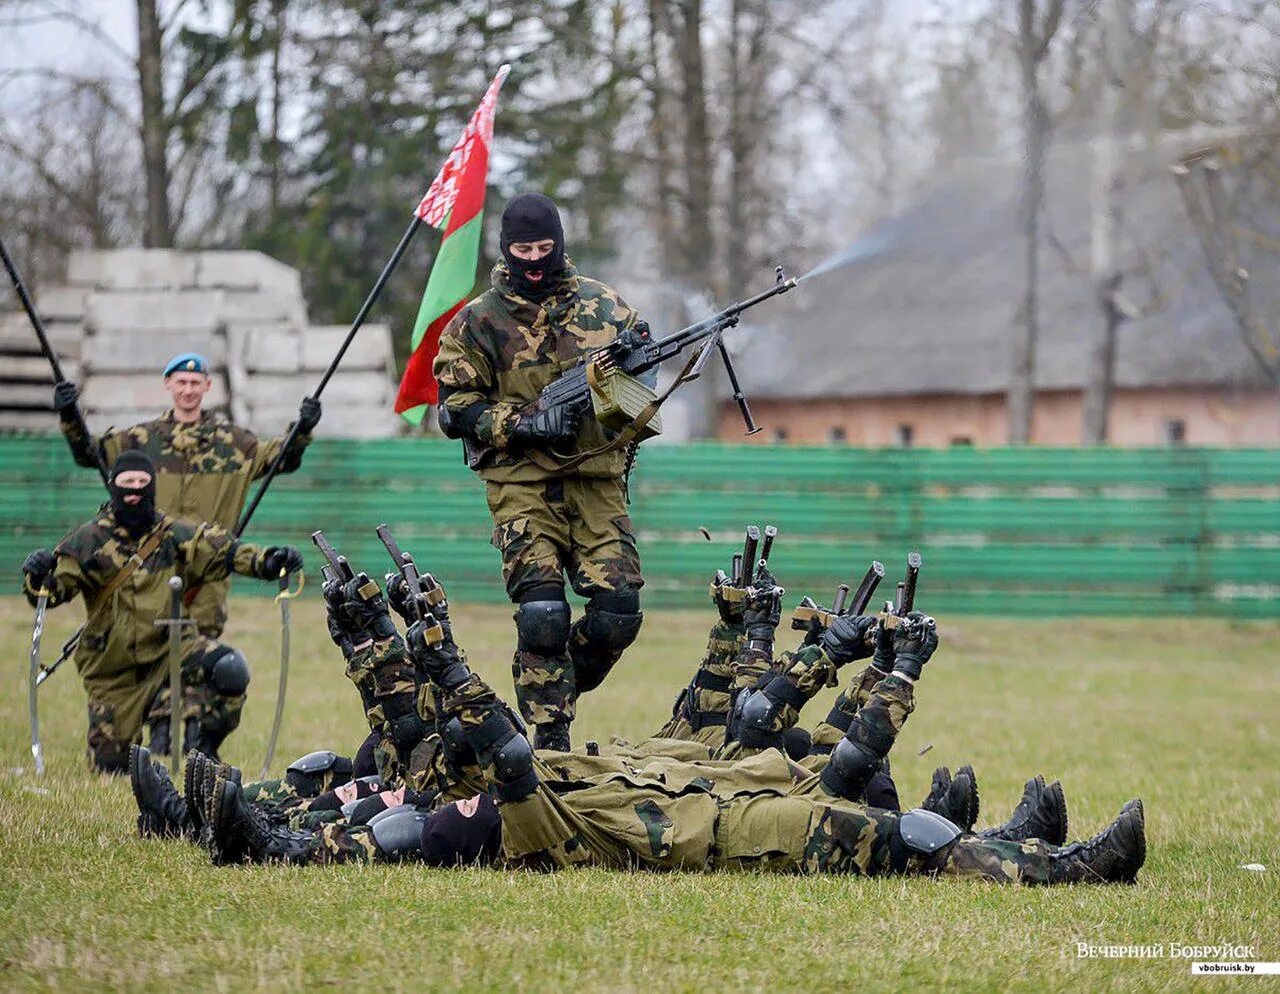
pixel 187 362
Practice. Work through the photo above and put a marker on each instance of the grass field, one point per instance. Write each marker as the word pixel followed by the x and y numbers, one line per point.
pixel 1183 714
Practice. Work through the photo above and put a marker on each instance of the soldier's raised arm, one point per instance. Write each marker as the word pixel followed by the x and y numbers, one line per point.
pixel 86 449
pixel 211 553
pixel 268 448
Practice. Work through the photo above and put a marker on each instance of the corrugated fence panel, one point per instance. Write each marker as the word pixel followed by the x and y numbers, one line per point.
pixel 1022 531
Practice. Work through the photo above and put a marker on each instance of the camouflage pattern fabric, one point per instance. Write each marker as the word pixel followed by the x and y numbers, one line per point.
pixel 702 708
pixel 831 730
pixel 502 349
pixel 203 473
pixel 384 675
pixel 122 656
pixel 201 701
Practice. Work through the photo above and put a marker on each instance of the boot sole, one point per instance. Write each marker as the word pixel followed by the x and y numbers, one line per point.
pixel 977 798
pixel 1055 791
pixel 1136 824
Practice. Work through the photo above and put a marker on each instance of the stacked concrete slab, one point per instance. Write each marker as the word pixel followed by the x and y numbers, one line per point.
pixel 122 314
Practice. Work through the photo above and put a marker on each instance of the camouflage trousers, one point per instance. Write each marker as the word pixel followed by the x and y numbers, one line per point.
pixel 201 703
pixel 282 803
pixel 572 526
pixel 810 835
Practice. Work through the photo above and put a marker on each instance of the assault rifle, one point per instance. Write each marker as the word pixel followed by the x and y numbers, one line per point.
pixel 636 355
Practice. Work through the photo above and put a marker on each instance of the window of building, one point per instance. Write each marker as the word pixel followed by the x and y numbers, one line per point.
pixel 837 436
pixel 962 441
pixel 1175 431
pixel 906 435
pixel 779 435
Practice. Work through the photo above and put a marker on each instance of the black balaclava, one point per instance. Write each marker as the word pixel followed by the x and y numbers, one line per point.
pixel 531 217
pixel 463 833
pixel 137 518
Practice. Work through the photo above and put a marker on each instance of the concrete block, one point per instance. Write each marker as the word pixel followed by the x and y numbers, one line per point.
pixel 35 368
pixel 194 312
pixel 257 306
pixel 132 269
pixel 113 391
pixel 18 337
pixel 266 348
pixel 239 270
pixel 35 422
pixel 148 352
pixel 32 395
pixel 62 302
pixel 371 348
pixel 271 390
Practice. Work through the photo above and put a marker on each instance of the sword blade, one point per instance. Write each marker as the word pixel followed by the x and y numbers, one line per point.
pixel 284 679
pixel 33 683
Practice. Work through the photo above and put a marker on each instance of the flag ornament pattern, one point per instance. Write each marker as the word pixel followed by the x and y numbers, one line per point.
pixel 454 203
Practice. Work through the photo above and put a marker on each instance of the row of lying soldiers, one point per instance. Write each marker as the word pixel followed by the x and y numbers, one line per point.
pixel 729 782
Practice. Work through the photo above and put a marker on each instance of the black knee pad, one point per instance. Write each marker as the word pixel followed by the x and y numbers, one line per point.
pixel 609 625
pixel 316 772
pixel 226 670
pixel 542 626
pixel 851 766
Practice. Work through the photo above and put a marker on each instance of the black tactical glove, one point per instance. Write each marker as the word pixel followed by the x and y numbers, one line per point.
pixel 440 660
pixel 364 610
pixel 339 635
pixel 763 608
pixel 38 567
pixel 65 396
pixel 882 658
pixel 280 557
pixel 308 414
pixel 729 601
pixel 847 638
pixel 398 595
pixel 560 424
pixel 914 640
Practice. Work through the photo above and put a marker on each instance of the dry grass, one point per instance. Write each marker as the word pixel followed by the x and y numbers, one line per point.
pixel 1182 714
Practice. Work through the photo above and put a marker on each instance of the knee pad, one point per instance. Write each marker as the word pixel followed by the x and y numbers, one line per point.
pixel 398 831
pixel 227 671
pixel 317 772
pixel 513 766
pixel 407 731
pixel 851 766
pixel 924 832
pixel 758 712
pixel 609 625
pixel 542 626
pixel 457 750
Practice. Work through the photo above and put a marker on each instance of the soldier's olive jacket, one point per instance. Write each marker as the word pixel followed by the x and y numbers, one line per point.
pixel 502 349
pixel 203 469
pixel 121 651
pixel 668 815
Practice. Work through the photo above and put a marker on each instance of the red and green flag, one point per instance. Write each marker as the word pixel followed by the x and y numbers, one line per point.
pixel 455 205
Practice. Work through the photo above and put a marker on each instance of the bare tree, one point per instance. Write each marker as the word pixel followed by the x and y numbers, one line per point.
pixel 1033 40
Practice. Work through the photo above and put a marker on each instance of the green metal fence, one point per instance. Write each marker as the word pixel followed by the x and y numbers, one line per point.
pixel 1023 531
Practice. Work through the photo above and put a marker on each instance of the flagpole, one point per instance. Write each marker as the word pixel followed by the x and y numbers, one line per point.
pixel 369 301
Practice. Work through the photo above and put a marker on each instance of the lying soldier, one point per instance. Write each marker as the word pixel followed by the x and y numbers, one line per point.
pixel 530 817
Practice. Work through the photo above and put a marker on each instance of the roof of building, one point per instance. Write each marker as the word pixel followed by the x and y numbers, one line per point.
pixel 935 310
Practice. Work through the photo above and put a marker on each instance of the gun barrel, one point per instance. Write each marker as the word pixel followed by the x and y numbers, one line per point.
pixel 389 542
pixel 897 598
pixel 842 595
pixel 914 563
pixel 341 568
pixel 770 533
pixel 749 548
pixel 736 569
pixel 867 587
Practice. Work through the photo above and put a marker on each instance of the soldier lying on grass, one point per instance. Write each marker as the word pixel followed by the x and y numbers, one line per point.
pixel 757 813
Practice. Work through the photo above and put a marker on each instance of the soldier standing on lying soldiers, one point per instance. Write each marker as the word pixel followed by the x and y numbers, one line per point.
pixel 537 320
pixel 204 465
pixel 121 562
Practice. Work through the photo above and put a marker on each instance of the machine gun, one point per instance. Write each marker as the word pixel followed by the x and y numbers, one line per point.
pixel 607 380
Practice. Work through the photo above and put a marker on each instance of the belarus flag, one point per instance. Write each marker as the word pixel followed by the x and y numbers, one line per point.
pixel 454 204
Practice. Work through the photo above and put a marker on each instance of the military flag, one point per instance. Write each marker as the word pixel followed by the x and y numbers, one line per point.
pixel 453 204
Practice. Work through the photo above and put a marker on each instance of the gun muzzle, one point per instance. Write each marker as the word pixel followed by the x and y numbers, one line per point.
pixel 749 548
pixel 842 595
pixel 867 587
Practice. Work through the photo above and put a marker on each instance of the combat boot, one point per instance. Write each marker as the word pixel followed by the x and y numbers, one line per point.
pixel 193 790
pixel 239 828
pixel 1041 814
pixel 160 744
pixel 1114 855
pixel 204 738
pixel 954 798
pixel 162 811
pixel 552 735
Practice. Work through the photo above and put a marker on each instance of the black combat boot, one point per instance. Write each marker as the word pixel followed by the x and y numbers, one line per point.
pixel 1041 814
pixel 193 790
pixel 1114 855
pixel 553 735
pixel 239 828
pixel 160 745
pixel 955 798
pixel 162 811
pixel 202 736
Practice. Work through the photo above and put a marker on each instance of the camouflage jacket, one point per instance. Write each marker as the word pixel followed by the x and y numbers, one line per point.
pixel 501 350
pixel 385 677
pixel 203 469
pixel 121 647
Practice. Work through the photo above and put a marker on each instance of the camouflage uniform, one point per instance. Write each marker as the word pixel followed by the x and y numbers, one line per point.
pixel 499 352
pixel 751 815
pixel 122 655
pixel 203 473
pixel 702 709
